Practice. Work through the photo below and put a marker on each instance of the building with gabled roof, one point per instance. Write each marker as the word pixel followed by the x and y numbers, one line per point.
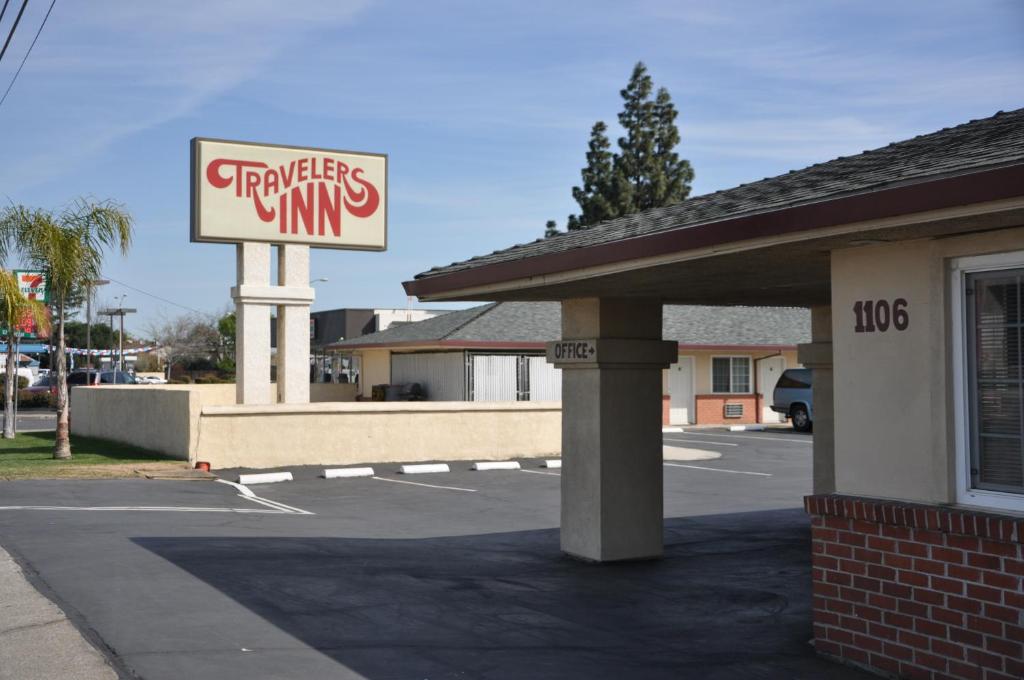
pixel 729 357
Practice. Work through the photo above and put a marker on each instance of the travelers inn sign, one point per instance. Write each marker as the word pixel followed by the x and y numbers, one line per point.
pixel 289 195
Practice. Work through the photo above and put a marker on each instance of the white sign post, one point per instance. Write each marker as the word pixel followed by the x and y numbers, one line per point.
pixel 255 195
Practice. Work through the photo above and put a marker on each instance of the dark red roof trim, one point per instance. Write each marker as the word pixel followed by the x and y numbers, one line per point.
pixel 949 192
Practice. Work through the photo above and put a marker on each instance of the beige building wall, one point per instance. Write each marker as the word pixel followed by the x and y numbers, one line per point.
pixel 893 389
pixel 702 372
pixel 702 364
pixel 374 369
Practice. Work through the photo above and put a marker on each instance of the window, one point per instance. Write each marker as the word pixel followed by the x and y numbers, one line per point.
pixel 988 296
pixel 730 375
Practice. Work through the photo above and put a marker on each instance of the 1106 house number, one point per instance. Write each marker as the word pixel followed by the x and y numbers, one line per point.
pixel 878 315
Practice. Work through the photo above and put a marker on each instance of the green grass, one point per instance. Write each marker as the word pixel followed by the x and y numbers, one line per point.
pixel 30 455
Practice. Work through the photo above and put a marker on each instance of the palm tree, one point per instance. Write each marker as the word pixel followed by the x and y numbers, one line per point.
pixel 15 310
pixel 69 246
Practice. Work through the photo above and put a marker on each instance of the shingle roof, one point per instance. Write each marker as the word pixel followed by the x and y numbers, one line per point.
pixel 980 144
pixel 537 322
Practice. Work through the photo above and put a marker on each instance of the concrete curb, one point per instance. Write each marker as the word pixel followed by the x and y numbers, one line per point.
pixel 553 464
pixel 265 478
pixel 340 473
pixel 424 468
pixel 502 465
pixel 747 428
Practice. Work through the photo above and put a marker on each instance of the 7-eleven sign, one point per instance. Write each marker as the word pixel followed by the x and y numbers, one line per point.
pixel 32 285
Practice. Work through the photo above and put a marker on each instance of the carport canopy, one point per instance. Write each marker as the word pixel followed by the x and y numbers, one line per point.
pixel 763 243
pixel 767 242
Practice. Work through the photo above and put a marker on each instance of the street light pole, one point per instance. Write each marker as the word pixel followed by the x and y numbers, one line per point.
pixel 88 326
pixel 119 312
pixel 318 373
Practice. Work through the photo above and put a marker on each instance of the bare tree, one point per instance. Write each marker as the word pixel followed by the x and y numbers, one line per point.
pixel 190 337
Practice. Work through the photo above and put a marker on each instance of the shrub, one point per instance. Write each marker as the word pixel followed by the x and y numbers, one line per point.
pixel 211 380
pixel 33 399
pixel 22 381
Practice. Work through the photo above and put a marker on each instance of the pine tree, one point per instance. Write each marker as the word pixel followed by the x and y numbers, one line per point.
pixel 550 229
pixel 670 182
pixel 647 172
pixel 635 162
pixel 596 196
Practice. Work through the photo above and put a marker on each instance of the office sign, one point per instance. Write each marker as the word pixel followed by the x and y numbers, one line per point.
pixel 281 194
pixel 572 351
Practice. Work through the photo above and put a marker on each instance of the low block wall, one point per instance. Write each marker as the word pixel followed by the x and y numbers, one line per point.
pixel 918 591
pixel 342 434
pixel 158 418
pixel 164 418
pixel 201 422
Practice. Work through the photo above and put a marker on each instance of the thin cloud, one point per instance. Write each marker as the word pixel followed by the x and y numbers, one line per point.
pixel 105 71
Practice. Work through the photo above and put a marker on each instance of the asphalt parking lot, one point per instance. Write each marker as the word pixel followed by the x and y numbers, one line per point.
pixel 450 575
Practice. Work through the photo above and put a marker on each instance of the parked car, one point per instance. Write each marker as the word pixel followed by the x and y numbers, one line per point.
pixel 117 378
pixel 82 377
pixel 792 398
pixel 43 383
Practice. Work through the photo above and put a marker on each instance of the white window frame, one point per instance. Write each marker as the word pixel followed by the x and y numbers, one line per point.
pixel 730 357
pixel 965 494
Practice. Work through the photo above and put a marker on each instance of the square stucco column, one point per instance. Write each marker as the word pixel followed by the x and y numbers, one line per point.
pixel 252 334
pixel 817 355
pixel 293 327
pixel 612 357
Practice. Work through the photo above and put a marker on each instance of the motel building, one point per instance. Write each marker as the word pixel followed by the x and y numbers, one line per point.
pixel 911 260
pixel 729 358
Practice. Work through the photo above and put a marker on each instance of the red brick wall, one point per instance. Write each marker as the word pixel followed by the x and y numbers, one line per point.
pixel 710 409
pixel 918 591
pixel 665 403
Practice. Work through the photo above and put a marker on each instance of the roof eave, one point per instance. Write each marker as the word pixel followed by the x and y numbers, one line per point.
pixel 937 194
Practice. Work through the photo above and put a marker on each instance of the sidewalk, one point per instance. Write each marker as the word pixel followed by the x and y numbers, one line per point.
pixel 37 641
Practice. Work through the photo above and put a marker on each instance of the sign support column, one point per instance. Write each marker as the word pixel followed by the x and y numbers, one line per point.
pixel 293 327
pixel 252 325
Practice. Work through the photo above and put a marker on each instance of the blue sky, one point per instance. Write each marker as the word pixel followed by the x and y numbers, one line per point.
pixel 483 107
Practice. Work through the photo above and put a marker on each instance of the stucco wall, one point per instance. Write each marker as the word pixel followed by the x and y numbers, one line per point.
pixel 702 383
pixel 157 418
pixel 343 434
pixel 375 369
pixel 893 397
pixel 201 422
pixel 163 418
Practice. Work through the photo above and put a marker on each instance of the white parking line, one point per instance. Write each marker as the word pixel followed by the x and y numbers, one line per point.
pixel 143 508
pixel 541 472
pixel 735 472
pixel 699 441
pixel 766 437
pixel 243 493
pixel 432 486
pixel 246 493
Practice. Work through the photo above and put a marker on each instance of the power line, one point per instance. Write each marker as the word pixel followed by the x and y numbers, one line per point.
pixel 155 297
pixel 13 29
pixel 4 10
pixel 25 58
